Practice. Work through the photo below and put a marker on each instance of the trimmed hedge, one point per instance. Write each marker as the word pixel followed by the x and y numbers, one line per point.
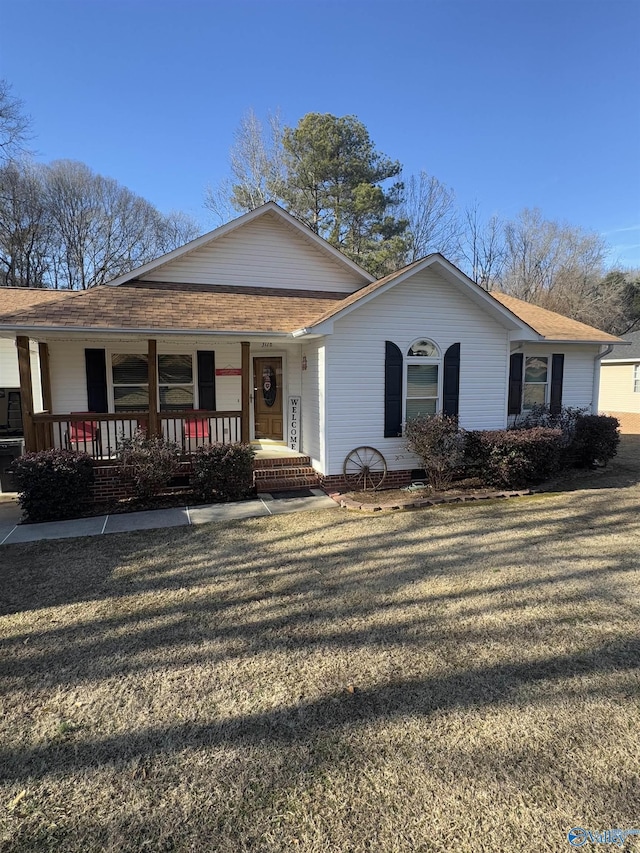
pixel 439 443
pixel 149 464
pixel 223 472
pixel 53 484
pixel 514 458
pixel 595 440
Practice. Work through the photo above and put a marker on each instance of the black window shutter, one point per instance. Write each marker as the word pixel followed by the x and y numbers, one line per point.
pixel 96 367
pixel 557 373
pixel 206 380
pixel 515 384
pixel 451 383
pixel 392 391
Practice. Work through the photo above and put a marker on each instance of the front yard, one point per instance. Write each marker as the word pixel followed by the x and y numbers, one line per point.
pixel 462 678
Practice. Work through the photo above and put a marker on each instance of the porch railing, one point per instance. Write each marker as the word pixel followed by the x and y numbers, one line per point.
pixel 100 434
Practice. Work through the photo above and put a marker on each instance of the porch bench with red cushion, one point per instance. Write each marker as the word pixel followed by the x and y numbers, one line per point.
pixel 83 432
pixel 197 428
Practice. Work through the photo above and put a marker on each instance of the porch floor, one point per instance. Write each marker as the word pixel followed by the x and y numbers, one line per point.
pixel 269 450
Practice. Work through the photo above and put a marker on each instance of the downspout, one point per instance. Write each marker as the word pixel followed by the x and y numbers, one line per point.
pixel 596 378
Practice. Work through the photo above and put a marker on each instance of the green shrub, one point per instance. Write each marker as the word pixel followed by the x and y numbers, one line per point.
pixel 595 441
pixel 439 443
pixel 149 463
pixel 223 472
pixel 53 484
pixel 514 457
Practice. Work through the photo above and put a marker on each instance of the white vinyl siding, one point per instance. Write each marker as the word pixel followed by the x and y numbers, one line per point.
pixel 313 438
pixel 9 377
pixel 423 306
pixel 36 379
pixel 264 253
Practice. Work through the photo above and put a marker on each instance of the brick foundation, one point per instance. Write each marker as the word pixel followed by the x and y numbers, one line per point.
pixel 110 485
pixel 629 422
pixel 393 480
pixel 268 475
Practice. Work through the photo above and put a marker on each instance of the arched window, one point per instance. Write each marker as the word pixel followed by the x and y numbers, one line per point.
pixel 423 379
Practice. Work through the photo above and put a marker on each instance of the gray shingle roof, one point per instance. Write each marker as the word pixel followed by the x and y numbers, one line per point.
pixel 628 353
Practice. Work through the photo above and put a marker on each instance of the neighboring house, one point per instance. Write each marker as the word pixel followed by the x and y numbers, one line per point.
pixel 620 384
pixel 275 336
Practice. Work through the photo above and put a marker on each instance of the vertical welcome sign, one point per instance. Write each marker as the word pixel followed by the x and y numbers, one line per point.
pixel 293 428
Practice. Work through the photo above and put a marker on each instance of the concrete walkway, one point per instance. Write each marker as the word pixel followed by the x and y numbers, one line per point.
pixel 11 531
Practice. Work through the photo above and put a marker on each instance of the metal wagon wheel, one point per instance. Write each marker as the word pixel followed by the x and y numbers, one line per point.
pixel 364 468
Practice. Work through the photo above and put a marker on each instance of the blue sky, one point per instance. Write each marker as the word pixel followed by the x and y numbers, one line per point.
pixel 525 103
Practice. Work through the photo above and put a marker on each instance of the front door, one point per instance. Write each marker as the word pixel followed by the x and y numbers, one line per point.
pixel 267 398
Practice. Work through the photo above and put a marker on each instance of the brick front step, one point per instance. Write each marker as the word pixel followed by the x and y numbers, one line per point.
pixel 282 462
pixel 283 473
pixel 287 484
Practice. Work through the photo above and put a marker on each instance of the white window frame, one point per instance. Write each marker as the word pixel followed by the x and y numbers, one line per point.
pixel 131 351
pixel 547 393
pixel 193 383
pixel 111 385
pixel 410 360
pixel 636 378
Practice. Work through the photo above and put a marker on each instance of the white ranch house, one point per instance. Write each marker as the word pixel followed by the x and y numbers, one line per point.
pixel 261 331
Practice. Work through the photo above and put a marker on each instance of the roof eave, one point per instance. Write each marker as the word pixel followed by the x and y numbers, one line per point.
pixel 581 341
pixel 108 330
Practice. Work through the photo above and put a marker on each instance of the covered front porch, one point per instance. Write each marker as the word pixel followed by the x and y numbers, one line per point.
pixel 93 429
pixel 173 385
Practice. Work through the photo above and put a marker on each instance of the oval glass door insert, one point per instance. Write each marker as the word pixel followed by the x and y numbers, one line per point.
pixel 269 387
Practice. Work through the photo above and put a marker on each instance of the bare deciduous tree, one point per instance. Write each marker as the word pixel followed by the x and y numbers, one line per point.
pixel 482 247
pixel 63 226
pixel 542 256
pixel 430 209
pixel 25 227
pixel 102 229
pixel 257 169
pixel 15 126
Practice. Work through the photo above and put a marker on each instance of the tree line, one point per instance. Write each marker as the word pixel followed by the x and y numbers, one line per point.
pixel 327 172
pixel 63 226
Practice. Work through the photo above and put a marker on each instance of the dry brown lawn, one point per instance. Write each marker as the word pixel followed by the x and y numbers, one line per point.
pixel 462 678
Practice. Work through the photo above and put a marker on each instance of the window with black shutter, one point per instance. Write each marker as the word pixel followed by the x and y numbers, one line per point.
pixel 393 370
pixel 96 371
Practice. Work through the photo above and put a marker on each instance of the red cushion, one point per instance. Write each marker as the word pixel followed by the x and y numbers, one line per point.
pixel 197 428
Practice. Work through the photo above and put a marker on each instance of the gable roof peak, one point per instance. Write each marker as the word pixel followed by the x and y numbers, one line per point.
pixel 269 208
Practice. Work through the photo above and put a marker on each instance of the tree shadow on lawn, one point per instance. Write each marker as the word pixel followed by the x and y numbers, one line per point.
pixel 475 687
pixel 455 612
pixel 401 547
pixel 317 586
